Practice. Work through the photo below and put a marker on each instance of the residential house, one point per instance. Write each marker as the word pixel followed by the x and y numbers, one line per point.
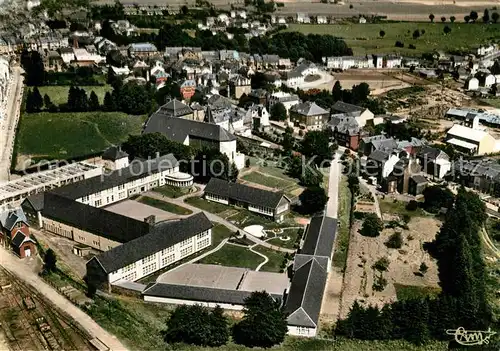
pixel 346 130
pixel 310 115
pixel 188 88
pixel 239 85
pixel 322 19
pixel 15 233
pixel 303 18
pixel 400 179
pixel 268 203
pixel 434 162
pixel 380 164
pixel 259 116
pixel 163 244
pixel 115 158
pixel 67 55
pixel 287 99
pixel 377 142
pixel 142 50
pixel 479 174
pixel 363 115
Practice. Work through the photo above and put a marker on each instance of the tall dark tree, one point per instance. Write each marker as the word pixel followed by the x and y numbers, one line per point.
pixel 437 197
pixel 360 93
pixel 372 226
pixel 337 92
pixel 486 16
pixel 316 144
pixel 416 34
pixel 264 323
pixel 431 17
pixel 33 66
pixel 473 16
pixel 313 200
pixel 443 19
pixel 37 100
pixel 29 102
pixel 93 101
pixel 49 261
pixel 467 18
pixel 452 19
pixel 381 34
pixel 447 30
pixel 278 112
pixel 109 103
pixel 288 142
pixel 494 17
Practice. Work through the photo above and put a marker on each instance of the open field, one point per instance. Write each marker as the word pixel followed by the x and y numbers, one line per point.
pixel 403 264
pixel 365 38
pixel 269 181
pixel 59 94
pixel 233 256
pixel 165 206
pixel 68 135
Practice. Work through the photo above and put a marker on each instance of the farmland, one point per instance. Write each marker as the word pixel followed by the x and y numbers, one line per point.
pixel 365 38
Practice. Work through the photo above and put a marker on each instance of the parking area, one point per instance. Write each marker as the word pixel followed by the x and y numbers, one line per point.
pixel 228 278
pixel 139 211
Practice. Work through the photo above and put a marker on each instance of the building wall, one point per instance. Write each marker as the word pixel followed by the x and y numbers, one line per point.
pixel 225 306
pixel 301 331
pixel 162 258
pixel 215 198
pixel 364 117
pixel 487 145
pixel 228 148
pixel 242 89
pixel 78 235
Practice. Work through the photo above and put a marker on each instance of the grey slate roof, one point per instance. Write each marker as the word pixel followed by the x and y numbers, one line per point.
pixel 198 293
pixel 379 156
pixel 309 108
pixel 320 236
pixel 114 153
pixel 9 218
pixel 300 260
pixel 136 170
pixel 174 108
pixel 306 294
pixel 18 239
pixel 161 236
pixel 177 129
pixel 36 201
pixel 419 179
pixel 344 107
pixel 92 219
pixel 387 144
pixel 344 124
pixel 430 153
pixel 244 193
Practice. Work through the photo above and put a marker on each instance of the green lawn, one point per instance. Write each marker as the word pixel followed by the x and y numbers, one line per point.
pixel 233 256
pixel 272 182
pixel 219 233
pixel 212 207
pixel 407 292
pixel 59 94
pixel 388 205
pixel 165 206
pixel 289 244
pixel 340 254
pixel 493 228
pixel 365 38
pixel 68 135
pixel 275 259
pixel 172 191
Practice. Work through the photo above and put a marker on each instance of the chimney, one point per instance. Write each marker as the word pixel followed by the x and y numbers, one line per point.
pixel 151 220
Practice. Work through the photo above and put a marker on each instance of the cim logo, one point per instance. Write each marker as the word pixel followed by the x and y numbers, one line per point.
pixel 471 337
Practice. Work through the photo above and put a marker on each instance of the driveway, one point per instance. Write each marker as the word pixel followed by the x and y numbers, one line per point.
pixel 22 271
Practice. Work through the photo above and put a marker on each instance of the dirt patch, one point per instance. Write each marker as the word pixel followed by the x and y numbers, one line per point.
pixel 403 263
pixel 364 206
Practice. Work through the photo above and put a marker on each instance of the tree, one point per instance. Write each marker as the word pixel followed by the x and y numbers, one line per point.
pixel 447 30
pixel 452 19
pixel 313 199
pixel 372 225
pixel 337 92
pixel 443 19
pixel 316 144
pixel 416 34
pixel 473 16
pixel 311 177
pixel 46 102
pixel 431 17
pixel 395 241
pixel 423 268
pixel 288 142
pixel 32 63
pixel 247 163
pixel 360 93
pixel 29 102
pixel 436 197
pixel 278 112
pixel 264 323
pixel 211 163
pixel 184 10
pixel 37 100
pixel 486 16
pixel 109 103
pixel 197 325
pixel 49 261
pixel 381 34
pixel 353 184
pixel 466 18
pixel 494 17
pixel 93 101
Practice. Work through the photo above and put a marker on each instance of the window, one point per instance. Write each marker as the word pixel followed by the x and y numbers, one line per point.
pixel 96 243
pixel 167 250
pixel 149 269
pixel 98 203
pixel 187 242
pixel 186 251
pixel 165 261
pixel 128 268
pixel 201 235
pixel 122 195
pixel 85 198
pixel 148 259
pixel 19 224
pixel 130 277
pixel 203 243
pixel 121 187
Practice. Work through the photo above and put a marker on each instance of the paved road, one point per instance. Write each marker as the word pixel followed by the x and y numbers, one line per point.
pixel 215 218
pixel 332 206
pixel 9 123
pixel 23 272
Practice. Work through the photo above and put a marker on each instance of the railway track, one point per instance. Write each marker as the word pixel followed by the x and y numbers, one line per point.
pixel 37 327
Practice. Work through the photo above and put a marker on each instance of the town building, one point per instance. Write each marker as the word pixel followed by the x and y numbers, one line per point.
pixel 434 162
pixel 163 244
pixel 175 109
pixel 196 134
pixel 142 49
pixel 239 85
pixel 287 99
pixel 346 130
pixel 471 141
pixel 188 88
pixel 267 203
pixel 310 115
pixel 362 115
pixel 15 233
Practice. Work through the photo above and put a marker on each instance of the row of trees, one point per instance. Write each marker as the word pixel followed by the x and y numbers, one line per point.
pixel 462 302
pixel 263 325
pixel 472 17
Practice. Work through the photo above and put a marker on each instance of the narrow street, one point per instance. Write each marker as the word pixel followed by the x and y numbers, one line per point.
pixel 25 273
